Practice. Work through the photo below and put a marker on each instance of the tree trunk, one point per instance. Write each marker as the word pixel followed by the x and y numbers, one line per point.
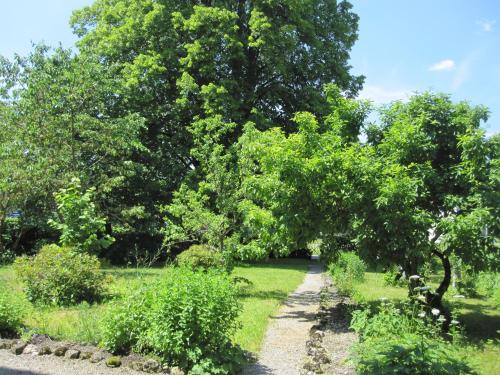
pixel 435 299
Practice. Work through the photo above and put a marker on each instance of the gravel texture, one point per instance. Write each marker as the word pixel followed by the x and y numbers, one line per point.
pixel 284 346
pixel 27 364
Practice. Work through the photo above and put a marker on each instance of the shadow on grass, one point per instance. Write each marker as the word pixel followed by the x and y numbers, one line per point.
pixel 287 264
pixel 131 273
pixel 263 294
pixel 479 326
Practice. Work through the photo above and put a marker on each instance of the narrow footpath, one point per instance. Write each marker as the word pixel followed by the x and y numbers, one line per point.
pixel 284 347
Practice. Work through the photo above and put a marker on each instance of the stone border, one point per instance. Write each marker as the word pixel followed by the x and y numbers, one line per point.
pixel 40 345
pixel 332 319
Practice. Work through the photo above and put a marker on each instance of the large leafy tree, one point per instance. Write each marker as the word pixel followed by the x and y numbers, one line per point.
pixel 189 67
pixel 425 185
pixel 453 193
pixel 57 124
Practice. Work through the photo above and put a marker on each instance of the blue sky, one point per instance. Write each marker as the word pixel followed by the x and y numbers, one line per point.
pixel 404 46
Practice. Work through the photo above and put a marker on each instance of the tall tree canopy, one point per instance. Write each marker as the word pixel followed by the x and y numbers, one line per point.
pixel 187 65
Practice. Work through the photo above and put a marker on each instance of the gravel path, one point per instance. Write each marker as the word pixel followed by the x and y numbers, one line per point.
pixel 26 364
pixel 284 346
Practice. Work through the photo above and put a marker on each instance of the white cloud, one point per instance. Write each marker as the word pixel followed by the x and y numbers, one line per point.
pixel 380 94
pixel 487 25
pixel 447 64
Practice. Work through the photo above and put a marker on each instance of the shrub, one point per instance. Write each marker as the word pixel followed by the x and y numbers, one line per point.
pixel 61 276
pixel 125 322
pixel 10 315
pixel 396 340
pixel 488 284
pixel 81 228
pixel 347 271
pixel 186 319
pixel 394 277
pixel 201 257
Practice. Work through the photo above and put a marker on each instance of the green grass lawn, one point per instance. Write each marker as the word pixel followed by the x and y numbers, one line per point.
pixel 271 282
pixel 479 316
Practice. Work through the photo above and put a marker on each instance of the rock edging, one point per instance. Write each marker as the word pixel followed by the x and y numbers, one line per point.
pixel 330 339
pixel 40 345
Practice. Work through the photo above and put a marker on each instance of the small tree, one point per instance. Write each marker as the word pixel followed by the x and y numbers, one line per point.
pixel 425 184
pixel 80 225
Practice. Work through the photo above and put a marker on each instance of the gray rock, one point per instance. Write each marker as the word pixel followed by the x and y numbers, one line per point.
pixel 86 355
pixel 98 357
pixel 44 350
pixel 311 366
pixel 31 349
pixel 60 351
pixel 151 366
pixel 6 343
pixel 72 354
pixel 18 348
pixel 136 365
pixel 176 371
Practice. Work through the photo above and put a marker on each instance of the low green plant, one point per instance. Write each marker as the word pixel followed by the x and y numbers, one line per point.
pixel 61 276
pixel 346 271
pixel 11 315
pixel 201 257
pixel 187 319
pixel 394 277
pixel 406 339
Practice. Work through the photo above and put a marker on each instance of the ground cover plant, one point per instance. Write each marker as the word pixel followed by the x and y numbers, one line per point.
pixel 477 316
pixel 404 339
pixel 269 284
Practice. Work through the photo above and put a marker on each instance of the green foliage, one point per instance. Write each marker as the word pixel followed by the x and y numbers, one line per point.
pixel 187 319
pixel 488 284
pixel 7 257
pixel 11 315
pixel 346 271
pixel 61 276
pixel 429 169
pixel 393 277
pixel 201 257
pixel 197 73
pixel 403 340
pixel 58 122
pixel 81 228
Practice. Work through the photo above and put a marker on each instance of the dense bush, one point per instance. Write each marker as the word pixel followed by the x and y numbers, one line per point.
pixel 61 276
pixel 201 257
pixel 346 271
pixel 186 319
pixel 10 315
pixel 405 340
pixel 81 227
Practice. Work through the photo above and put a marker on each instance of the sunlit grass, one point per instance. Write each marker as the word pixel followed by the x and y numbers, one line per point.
pixel 270 283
